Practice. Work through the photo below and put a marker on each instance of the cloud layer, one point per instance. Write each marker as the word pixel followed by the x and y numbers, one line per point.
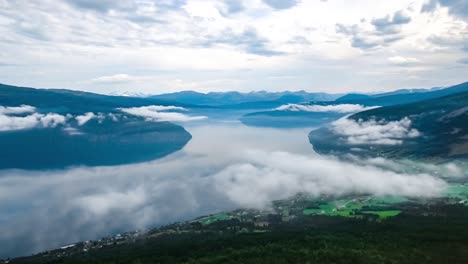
pixel 151 46
pixel 13 118
pixel 260 166
pixel 161 113
pixel 374 132
pixel 341 108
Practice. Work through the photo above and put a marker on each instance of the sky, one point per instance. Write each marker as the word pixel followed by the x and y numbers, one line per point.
pixel 160 46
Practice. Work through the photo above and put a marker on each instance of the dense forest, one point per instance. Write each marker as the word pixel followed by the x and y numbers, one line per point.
pixel 427 235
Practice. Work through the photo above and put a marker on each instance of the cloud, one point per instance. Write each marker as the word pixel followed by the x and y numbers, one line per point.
pixel 15 110
pixel 386 30
pixel 105 6
pixel 52 120
pixel 391 24
pixel 159 113
pixel 26 117
pixel 341 108
pixel 403 61
pixel 9 121
pixel 448 170
pixel 366 39
pixel 374 132
pixel 83 119
pixel 233 7
pixel 104 203
pixel 248 40
pixel 117 78
pixel 281 4
pixel 100 6
pixel 458 8
pixel 282 174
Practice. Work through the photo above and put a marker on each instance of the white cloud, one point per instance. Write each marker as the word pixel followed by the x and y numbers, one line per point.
pixel 403 61
pixel 280 174
pixel 83 119
pixel 374 132
pixel 52 120
pixel 14 110
pixel 340 108
pixel 10 122
pixel 161 113
pixel 102 204
pixel 117 78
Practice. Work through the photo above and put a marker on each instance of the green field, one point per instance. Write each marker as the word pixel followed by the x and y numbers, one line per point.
pixel 384 214
pixel 335 208
pixel 352 207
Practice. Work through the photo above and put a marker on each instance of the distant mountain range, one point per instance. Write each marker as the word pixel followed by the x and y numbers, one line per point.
pixel 237 98
pixel 437 117
pixel 403 96
pixel 287 118
pixel 434 125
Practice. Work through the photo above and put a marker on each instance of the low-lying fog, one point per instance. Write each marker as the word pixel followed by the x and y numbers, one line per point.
pixel 225 166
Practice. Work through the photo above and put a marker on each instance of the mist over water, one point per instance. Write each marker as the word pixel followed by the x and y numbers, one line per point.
pixel 225 166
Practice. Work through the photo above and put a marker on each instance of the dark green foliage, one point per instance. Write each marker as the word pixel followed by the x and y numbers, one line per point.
pixel 408 238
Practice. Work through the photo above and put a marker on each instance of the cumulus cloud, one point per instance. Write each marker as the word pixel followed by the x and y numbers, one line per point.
pixel 88 203
pixel 384 31
pixel 391 24
pixel 118 78
pixel 341 108
pixel 248 40
pixel 10 121
pixel 403 61
pixel 15 110
pixel 52 120
pixel 83 119
pixel 458 8
pixel 281 4
pixel 26 117
pixel 160 113
pixel 233 6
pixel 374 132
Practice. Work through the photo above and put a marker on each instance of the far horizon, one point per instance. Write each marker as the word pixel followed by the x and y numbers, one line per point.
pixel 129 92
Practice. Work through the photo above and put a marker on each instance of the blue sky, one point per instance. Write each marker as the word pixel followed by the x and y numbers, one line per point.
pixel 158 46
